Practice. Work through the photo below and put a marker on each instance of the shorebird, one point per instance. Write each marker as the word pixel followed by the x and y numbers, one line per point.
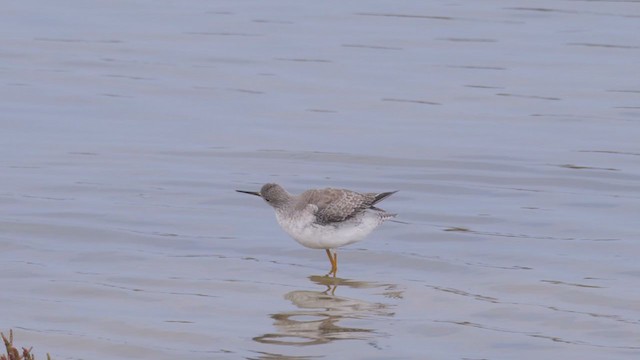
pixel 325 218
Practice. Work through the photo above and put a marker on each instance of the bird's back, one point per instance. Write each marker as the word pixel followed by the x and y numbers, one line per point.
pixel 336 205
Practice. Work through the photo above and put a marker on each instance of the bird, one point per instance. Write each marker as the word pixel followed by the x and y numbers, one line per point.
pixel 326 218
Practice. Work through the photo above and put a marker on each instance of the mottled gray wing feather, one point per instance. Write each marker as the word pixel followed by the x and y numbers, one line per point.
pixel 336 205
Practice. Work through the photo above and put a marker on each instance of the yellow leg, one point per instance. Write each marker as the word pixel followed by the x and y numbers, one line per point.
pixel 333 258
pixel 330 260
pixel 335 261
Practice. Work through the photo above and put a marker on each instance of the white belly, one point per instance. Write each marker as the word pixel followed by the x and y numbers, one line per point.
pixel 309 234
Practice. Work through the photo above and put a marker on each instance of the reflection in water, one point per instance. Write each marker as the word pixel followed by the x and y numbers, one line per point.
pixel 317 320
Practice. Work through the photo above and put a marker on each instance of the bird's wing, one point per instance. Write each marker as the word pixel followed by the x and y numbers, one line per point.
pixel 335 205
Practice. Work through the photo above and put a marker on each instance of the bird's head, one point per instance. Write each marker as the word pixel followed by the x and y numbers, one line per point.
pixel 274 194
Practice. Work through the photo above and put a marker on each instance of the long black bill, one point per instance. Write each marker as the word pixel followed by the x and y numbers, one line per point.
pixel 249 192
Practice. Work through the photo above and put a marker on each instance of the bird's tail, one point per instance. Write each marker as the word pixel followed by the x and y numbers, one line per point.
pixel 386 216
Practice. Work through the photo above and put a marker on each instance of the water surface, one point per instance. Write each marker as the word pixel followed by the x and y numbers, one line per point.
pixel 511 131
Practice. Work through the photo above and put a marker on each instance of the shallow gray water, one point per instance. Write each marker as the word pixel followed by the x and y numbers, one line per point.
pixel 510 128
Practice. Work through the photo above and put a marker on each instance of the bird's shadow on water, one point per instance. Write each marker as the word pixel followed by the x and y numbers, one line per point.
pixel 319 316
